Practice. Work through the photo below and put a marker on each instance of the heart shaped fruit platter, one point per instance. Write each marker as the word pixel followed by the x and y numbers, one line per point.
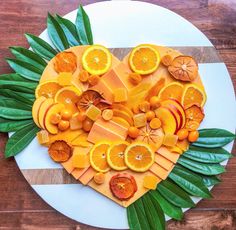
pixel 126 128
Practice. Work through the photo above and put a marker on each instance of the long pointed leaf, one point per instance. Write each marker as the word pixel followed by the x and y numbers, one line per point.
pixel 69 29
pixel 41 47
pixel 56 34
pixel 12 126
pixel 28 56
pixel 210 180
pixel 133 219
pixel 83 27
pixel 20 139
pixel 14 104
pixel 15 77
pixel 25 69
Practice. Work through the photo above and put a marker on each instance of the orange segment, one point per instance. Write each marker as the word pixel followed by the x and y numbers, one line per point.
pixel 98 157
pixel 97 59
pixel 47 89
pixel 173 90
pixel 115 155
pixel 144 59
pixel 139 156
pixel 65 62
pixel 193 95
pixel 68 96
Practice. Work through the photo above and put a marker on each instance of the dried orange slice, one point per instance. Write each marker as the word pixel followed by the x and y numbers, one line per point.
pixel 194 113
pixel 171 90
pixel 144 59
pixel 193 95
pixel 68 96
pixel 139 156
pixel 65 62
pixel 47 89
pixel 183 68
pixel 96 59
pixel 98 156
pixel 115 155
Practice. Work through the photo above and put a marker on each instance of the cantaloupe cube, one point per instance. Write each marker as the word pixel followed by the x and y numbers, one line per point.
pixel 150 182
pixel 87 176
pixel 170 140
pixel 165 163
pixel 140 120
pixel 43 137
pixel 75 123
pixel 93 112
pixel 68 166
pixel 172 156
pixel 159 171
pixel 64 78
pixel 80 160
pixel 120 95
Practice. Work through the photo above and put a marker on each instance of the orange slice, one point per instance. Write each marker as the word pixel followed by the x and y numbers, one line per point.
pixel 47 89
pixel 98 157
pixel 172 90
pixel 97 59
pixel 193 95
pixel 68 96
pixel 144 59
pixel 139 156
pixel 65 62
pixel 115 155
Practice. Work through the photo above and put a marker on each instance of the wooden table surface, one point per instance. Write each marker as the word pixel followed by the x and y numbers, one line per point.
pixel 20 206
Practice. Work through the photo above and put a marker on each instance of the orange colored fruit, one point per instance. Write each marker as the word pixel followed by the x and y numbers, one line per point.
pixel 123 186
pixel 47 89
pixel 182 134
pixel 55 118
pixel 144 106
pixel 107 114
pixel 81 116
pixel 172 90
pixel 150 115
pixel 122 107
pixel 166 60
pixel 139 156
pixel 115 155
pixel 133 132
pixel 121 121
pixel 154 90
pixel 124 115
pixel 155 123
pixel 87 125
pixel 66 114
pixel 154 102
pixel 96 59
pixel 135 109
pixel 144 59
pixel 135 78
pixel 63 125
pixel 83 76
pixel 183 68
pixel 192 125
pixel 98 157
pixel 193 95
pixel 99 178
pixel 45 106
pixel 93 80
pixel 193 136
pixel 35 109
pixel 65 62
pixel 194 113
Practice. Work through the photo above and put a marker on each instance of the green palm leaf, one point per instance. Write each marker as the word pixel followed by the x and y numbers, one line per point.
pixel 13 125
pixel 210 180
pixel 41 47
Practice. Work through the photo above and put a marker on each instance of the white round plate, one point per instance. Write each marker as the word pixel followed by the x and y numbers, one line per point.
pixel 126 24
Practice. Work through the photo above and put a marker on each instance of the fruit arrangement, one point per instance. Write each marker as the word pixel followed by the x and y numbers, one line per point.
pixel 127 128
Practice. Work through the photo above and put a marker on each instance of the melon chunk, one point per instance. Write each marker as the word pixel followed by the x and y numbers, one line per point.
pixel 93 112
pixel 170 140
pixel 77 173
pixel 172 156
pixel 68 166
pixel 43 137
pixel 120 95
pixel 80 158
pixel 75 123
pixel 159 171
pixel 87 176
pixel 165 163
pixel 140 120
pixel 150 182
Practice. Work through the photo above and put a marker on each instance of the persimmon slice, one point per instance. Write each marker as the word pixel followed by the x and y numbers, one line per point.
pixel 60 151
pixel 65 62
pixel 194 113
pixel 184 68
pixel 123 186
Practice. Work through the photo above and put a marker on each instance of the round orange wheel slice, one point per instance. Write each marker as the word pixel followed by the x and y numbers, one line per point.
pixel 96 59
pixel 65 62
pixel 68 96
pixel 115 155
pixel 193 95
pixel 47 89
pixel 98 157
pixel 172 90
pixel 144 59
pixel 139 156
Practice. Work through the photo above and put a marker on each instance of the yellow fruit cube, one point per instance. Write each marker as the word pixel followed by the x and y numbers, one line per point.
pixel 75 123
pixel 80 159
pixel 150 182
pixel 120 95
pixel 43 137
pixel 93 112
pixel 170 140
pixel 140 120
pixel 64 78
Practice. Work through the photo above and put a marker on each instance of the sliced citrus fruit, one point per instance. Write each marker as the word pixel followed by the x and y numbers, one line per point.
pixel 172 90
pixel 96 59
pixel 98 156
pixel 115 155
pixel 47 89
pixel 195 113
pixel 68 96
pixel 139 156
pixel 193 95
pixel 65 62
pixel 123 186
pixel 144 59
